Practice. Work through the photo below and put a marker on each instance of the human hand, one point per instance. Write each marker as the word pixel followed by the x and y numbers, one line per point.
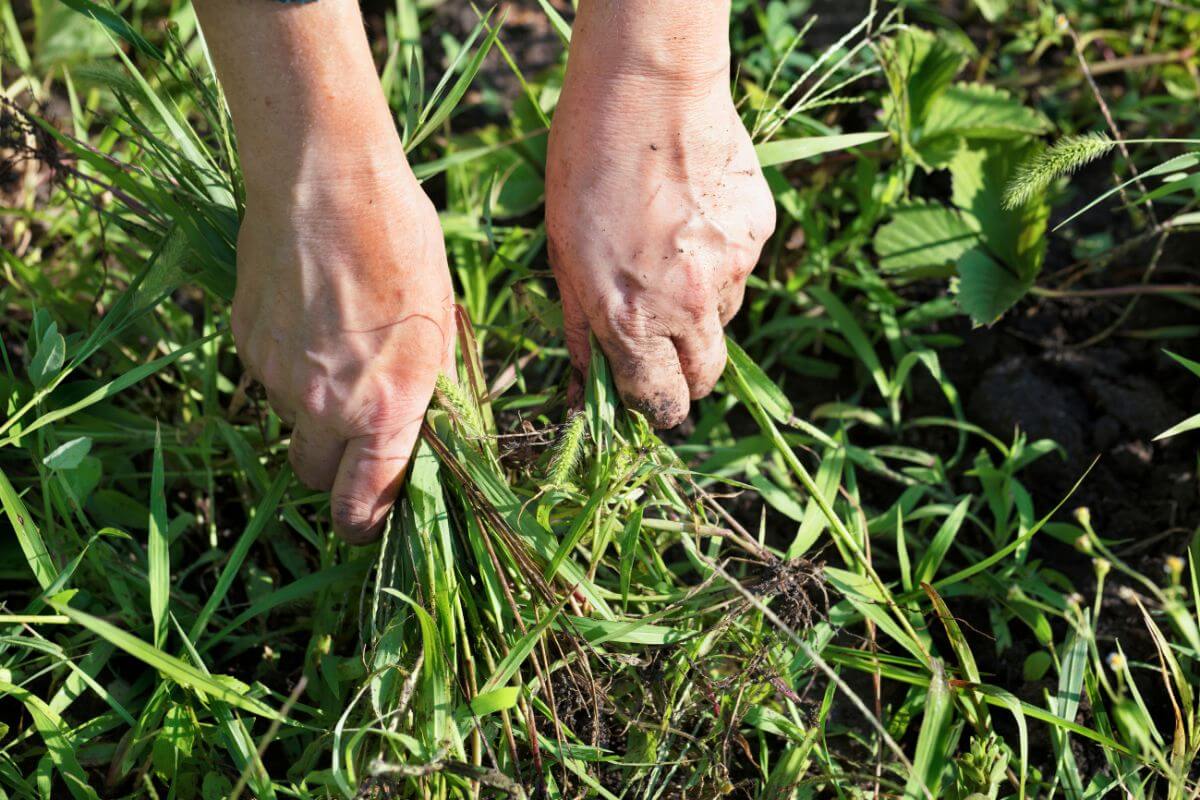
pixel 656 212
pixel 344 312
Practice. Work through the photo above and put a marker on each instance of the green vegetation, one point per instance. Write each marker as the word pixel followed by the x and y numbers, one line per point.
pixel 880 560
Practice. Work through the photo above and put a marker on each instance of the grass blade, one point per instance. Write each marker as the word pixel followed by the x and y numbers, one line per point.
pixel 159 552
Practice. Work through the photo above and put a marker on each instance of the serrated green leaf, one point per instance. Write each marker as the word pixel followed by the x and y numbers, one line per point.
pixel 978 111
pixel 986 289
pixel 1014 237
pixel 919 67
pixel 923 236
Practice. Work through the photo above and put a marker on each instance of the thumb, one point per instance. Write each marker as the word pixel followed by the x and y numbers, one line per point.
pixel 368 480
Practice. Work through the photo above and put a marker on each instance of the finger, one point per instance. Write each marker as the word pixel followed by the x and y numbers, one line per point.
pixel 368 480
pixel 702 355
pixel 575 328
pixel 315 452
pixel 648 377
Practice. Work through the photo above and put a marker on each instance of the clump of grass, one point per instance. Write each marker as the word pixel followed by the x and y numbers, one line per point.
pixel 1064 158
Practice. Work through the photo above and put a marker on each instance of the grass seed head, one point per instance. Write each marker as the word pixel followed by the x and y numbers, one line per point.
pixel 1035 176
pixel 567 451
pixel 454 399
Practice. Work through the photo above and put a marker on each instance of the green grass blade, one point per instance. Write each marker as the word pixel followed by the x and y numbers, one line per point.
pixel 108 390
pixel 932 559
pixel 629 546
pixel 171 667
pixel 28 535
pixel 772 154
pixel 60 747
pixel 560 25
pixel 933 742
pixel 159 549
pixel 262 515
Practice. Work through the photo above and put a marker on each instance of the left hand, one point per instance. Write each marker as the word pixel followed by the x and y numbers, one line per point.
pixel 656 213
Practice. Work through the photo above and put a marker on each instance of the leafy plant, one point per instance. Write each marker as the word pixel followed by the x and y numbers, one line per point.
pixel 979 134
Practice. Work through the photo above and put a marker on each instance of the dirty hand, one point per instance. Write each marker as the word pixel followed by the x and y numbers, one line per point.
pixel 656 209
pixel 344 312
pixel 344 304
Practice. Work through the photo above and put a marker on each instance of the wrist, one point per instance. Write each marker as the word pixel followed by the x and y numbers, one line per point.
pixel 323 151
pixel 678 43
pixel 331 180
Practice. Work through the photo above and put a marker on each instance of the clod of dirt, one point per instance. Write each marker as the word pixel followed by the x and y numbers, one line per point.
pixel 1016 394
pixel 1136 402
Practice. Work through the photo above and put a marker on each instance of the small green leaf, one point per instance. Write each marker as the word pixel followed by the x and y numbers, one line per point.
pixel 1036 665
pixel 49 358
pixel 992 10
pixel 70 455
pixel 496 700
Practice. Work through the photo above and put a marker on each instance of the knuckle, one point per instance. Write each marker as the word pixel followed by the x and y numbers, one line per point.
pixel 634 321
pixel 313 398
pixel 764 220
pixel 385 413
pixel 695 304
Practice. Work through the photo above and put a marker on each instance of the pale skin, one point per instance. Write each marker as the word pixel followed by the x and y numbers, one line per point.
pixel 656 212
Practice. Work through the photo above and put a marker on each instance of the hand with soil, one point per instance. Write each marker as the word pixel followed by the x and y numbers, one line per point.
pixel 344 302
pixel 656 209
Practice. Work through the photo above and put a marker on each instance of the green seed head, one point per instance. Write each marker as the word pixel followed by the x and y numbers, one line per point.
pixel 567 451
pixel 1064 158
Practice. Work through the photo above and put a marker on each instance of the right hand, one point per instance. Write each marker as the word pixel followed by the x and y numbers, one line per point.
pixel 344 312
